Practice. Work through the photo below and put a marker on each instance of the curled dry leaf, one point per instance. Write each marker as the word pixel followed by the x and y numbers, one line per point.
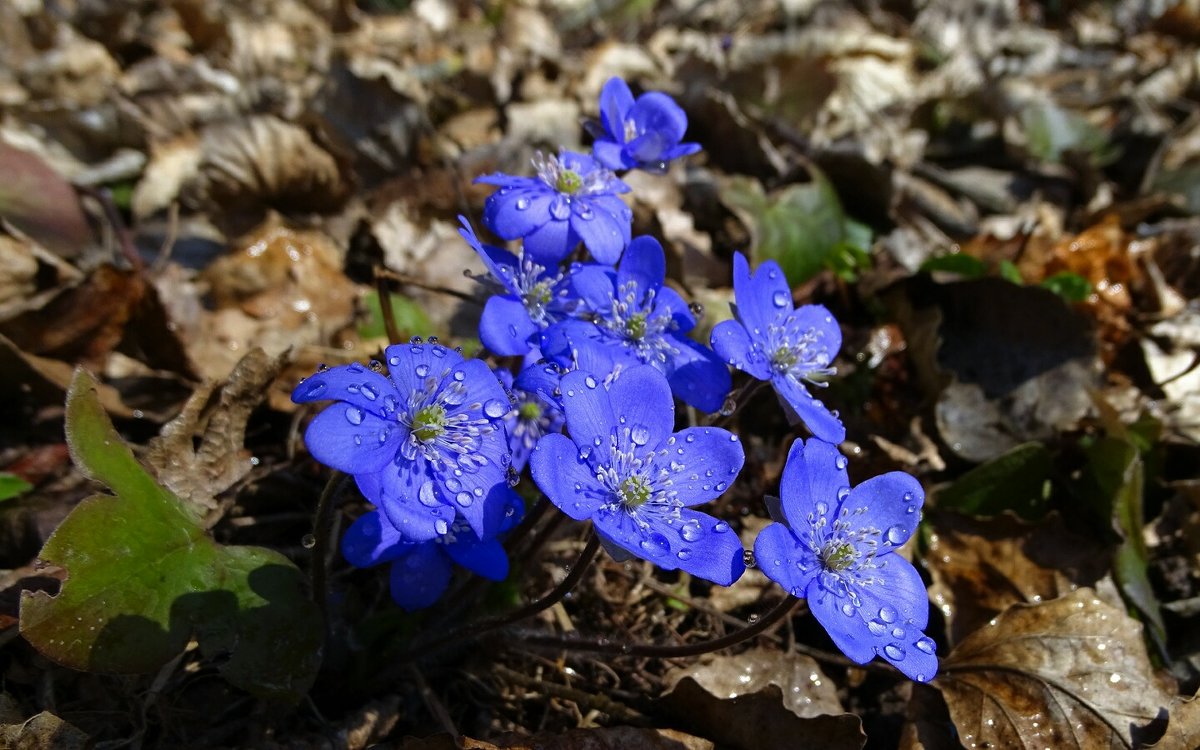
pixel 198 474
pixel 762 700
pixel 45 731
pixel 1069 673
pixel 40 203
pixel 602 738
pixel 981 567
pixel 1183 726
pixel 264 162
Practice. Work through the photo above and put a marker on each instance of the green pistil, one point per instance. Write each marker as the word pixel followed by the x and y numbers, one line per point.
pixel 429 423
pixel 838 557
pixel 634 492
pixel 529 411
pixel 540 294
pixel 636 326
pixel 569 182
pixel 784 357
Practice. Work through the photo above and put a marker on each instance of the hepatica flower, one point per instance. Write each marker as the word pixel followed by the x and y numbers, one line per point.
pixel 535 296
pixel 636 319
pixel 644 133
pixel 531 417
pixel 424 443
pixel 836 548
pixel 790 347
pixel 421 570
pixel 624 469
pixel 573 199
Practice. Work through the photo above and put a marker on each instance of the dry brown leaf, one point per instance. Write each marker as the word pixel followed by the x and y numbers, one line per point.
pixel 198 474
pixel 43 380
pixel 603 738
pixel 981 567
pixel 1183 726
pixel 40 203
pixel 762 700
pixel 1068 673
pixel 18 267
pixel 45 731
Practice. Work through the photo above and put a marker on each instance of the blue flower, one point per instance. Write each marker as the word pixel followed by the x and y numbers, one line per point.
pixel 421 570
pixel 836 548
pixel 624 469
pixel 788 346
pixel 645 133
pixel 536 297
pixel 424 442
pixel 635 319
pixel 572 199
pixel 531 417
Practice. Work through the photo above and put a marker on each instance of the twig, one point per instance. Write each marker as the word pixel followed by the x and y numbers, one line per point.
pixel 385 305
pixel 402 278
pixel 602 703
pixel 322 526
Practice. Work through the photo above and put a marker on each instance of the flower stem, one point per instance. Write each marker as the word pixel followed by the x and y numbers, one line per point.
pixel 322 528
pixel 479 627
pixel 385 306
pixel 605 646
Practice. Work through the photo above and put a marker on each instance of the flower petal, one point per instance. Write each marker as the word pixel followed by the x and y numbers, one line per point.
pixel 551 242
pixel 818 320
pixel 888 502
pixel 658 113
pixel 784 559
pixel 565 479
pixel 419 579
pixel 667 299
pixel 593 283
pixel 760 297
pixel 604 233
pixel 915 655
pixel 505 326
pixel 811 410
pixel 406 495
pixel 351 439
pixel 716 556
pixel 588 409
pixel 615 102
pixel 520 211
pixel 471 488
pixel 704 462
pixel 485 558
pixel 840 619
pixel 501 264
pixel 372 540
pixel 640 398
pixel 732 343
pixel 610 154
pixel 814 473
pixel 354 383
pixel 644 264
pixel 411 366
pixel 699 377
pixel 897 593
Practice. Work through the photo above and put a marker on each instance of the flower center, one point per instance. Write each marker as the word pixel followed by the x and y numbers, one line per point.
pixel 635 325
pixel 569 182
pixel 429 423
pixel 784 358
pixel 837 556
pixel 631 130
pixel 634 492
pixel 539 295
pixel 529 411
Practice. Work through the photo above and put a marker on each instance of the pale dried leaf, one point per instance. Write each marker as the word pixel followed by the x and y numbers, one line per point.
pixel 45 731
pixel 197 475
pixel 1068 673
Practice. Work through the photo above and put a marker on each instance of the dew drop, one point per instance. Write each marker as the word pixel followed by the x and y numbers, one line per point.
pixel 780 299
pixel 656 545
pixel 847 609
pixel 314 390
pixel 308 541
pixel 639 434
pixel 590 382
pixel 441 527
pixel 427 496
pixel 876 627
pixel 522 203
pixel 721 527
pixel 459 375
pixel 821 508
pixel 421 370
pixel 369 392
pixel 464 499
pixel 896 535
pixel 354 415
pixel 691 531
pixel 897 632
pixel 894 651
pixel 495 409
pixel 684 554
pixel 887 614
pixel 926 644
pixel 841 462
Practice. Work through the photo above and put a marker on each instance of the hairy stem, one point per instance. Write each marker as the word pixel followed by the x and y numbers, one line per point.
pixel 322 527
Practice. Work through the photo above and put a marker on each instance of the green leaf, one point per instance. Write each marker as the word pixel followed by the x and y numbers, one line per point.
pixel 410 318
pixel 1051 131
pixel 144 577
pixel 1014 481
pixel 12 485
pixel 802 227
pixel 1070 286
pixel 1118 470
pixel 960 263
pixel 1010 272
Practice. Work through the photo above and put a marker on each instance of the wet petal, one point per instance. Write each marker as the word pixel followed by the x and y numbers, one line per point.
pixel 505 326
pixel 898 593
pixel 644 264
pixel 888 502
pixel 594 285
pixel 699 377
pixel 811 410
pixel 640 399
pixel 519 212
pixel 732 343
pixel 604 233
pixel 588 409
pixel 814 473
pixel 350 439
pixel 704 461
pixel 419 579
pixel 760 296
pixel 566 480
pixel 406 495
pixel 415 367
pixel 372 540
pixel 841 620
pixel 551 242
pixel 784 559
pixel 354 384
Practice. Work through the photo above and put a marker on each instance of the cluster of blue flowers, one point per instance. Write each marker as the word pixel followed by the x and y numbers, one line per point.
pixel 437 441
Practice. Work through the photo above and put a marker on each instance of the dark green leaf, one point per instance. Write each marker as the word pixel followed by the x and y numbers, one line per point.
pixel 1012 481
pixel 1070 286
pixel 1010 272
pixel 960 263
pixel 1051 131
pixel 12 485
pixel 143 577
pixel 410 318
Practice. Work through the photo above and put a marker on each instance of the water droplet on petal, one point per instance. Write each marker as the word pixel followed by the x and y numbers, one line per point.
pixel 887 614
pixel 847 609
pixel 421 370
pixel 590 382
pixel 459 375
pixel 896 535
pixel 684 554
pixel 841 462
pixel 721 527
pixel 821 508
pixel 369 392
pixel 522 203
pixel 427 496
pixel 314 390
pixel 495 409
pixel 876 627
pixel 308 541
pixel 639 434
pixel 780 299
pixel 656 545
pixel 926 644
pixel 897 632
pixel 894 651
pixel 464 499
pixel 441 527
pixel 691 531
pixel 354 415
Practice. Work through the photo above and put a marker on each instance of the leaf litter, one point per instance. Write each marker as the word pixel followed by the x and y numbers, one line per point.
pixel 997 199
